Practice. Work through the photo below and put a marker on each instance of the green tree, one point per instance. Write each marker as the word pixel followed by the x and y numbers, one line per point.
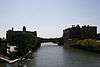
pixel 25 41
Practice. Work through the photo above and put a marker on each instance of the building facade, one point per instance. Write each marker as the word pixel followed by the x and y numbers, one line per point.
pixel 84 32
pixel 88 32
pixel 11 34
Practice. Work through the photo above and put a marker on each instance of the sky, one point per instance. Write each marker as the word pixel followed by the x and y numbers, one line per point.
pixel 48 17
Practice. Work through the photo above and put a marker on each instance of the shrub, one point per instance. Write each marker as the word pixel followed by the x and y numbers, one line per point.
pixel 87 42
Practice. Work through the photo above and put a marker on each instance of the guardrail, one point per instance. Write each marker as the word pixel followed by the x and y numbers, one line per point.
pixel 6 59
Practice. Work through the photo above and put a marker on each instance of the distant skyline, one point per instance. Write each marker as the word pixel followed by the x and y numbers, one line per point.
pixel 48 17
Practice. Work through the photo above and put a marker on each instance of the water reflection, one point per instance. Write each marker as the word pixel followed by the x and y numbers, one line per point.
pixel 48 43
pixel 80 58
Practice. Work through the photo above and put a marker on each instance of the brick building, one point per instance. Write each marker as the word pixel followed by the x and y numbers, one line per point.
pixel 88 32
pixel 84 32
pixel 11 34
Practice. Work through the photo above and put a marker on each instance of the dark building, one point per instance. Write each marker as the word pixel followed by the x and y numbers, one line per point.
pixel 74 32
pixel 84 32
pixel 11 34
pixel 88 32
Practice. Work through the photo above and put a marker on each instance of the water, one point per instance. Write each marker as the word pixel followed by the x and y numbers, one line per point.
pixel 51 55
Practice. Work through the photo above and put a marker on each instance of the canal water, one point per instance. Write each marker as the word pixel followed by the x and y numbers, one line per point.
pixel 52 55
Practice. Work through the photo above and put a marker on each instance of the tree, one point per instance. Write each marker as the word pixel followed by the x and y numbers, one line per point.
pixel 25 41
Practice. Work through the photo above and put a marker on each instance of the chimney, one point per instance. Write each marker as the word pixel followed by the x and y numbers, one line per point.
pixel 24 28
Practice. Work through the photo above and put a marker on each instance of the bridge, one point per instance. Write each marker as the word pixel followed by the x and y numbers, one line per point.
pixel 54 40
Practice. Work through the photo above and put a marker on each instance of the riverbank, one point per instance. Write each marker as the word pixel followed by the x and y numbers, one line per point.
pixel 86 44
pixel 91 49
pixel 10 61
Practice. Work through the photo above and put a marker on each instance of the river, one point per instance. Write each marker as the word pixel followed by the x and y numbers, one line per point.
pixel 52 55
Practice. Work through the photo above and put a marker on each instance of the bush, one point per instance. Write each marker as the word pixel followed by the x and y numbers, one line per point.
pixel 87 42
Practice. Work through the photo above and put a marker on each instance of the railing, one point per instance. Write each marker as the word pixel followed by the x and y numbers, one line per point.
pixel 6 59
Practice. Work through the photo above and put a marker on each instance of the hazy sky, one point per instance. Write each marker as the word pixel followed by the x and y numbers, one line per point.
pixel 48 17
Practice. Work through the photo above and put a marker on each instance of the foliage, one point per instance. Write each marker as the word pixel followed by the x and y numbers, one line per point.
pixel 25 41
pixel 74 40
pixel 87 42
pixel 12 55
